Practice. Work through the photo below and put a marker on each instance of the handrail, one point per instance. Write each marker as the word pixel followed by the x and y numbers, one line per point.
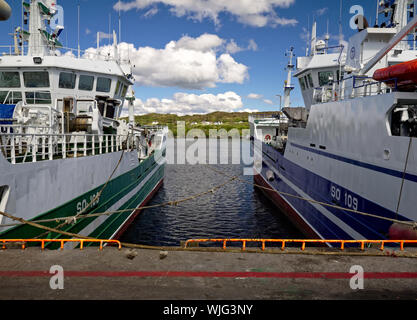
pixel 40 147
pixel 303 242
pixel 84 53
pixel 61 241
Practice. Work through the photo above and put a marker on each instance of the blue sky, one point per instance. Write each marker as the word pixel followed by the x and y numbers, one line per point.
pixel 242 52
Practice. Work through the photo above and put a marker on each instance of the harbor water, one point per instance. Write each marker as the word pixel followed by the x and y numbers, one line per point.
pixel 237 210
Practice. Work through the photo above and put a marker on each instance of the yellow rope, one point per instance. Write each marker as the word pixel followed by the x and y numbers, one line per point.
pixel 98 195
pixel 108 213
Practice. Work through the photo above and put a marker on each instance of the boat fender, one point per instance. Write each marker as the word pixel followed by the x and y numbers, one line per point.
pixel 402 232
pixel 270 176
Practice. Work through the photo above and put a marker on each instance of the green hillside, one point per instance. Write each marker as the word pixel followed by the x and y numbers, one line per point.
pixel 229 121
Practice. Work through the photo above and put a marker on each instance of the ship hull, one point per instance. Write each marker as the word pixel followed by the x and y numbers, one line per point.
pixel 307 209
pixel 132 185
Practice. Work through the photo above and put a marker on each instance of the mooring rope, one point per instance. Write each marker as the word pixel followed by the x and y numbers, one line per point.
pixel 403 179
pixel 408 223
pixel 108 213
pixel 98 195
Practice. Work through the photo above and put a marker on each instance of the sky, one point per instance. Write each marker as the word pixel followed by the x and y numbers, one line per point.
pixel 200 56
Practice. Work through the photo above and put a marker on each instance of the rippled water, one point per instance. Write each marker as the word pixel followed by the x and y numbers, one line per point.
pixel 238 210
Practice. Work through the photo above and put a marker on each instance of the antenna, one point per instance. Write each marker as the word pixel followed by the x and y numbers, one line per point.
pixel 340 23
pixel 327 37
pixel 308 40
pixel 22 34
pixel 415 34
pixel 120 25
pixel 79 29
pixel 377 13
pixel 109 34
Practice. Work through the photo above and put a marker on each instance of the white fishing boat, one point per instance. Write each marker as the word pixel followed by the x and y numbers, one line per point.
pixel 64 151
pixel 350 156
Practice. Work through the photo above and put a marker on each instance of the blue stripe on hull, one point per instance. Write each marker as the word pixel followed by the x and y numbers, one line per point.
pixel 391 172
pixel 319 189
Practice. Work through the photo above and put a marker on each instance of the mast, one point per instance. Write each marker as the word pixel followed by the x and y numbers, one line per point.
pixel 120 25
pixel 288 87
pixel 313 38
pixel 78 34
pixel 40 41
pixel 340 23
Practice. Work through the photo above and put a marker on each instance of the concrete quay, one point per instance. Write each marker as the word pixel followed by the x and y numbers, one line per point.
pixel 132 274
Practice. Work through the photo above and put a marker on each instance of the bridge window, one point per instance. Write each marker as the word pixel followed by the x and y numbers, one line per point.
pixel 9 80
pixel 38 97
pixel 310 80
pixel 117 92
pixel 306 82
pixel 36 79
pixel 325 78
pixel 10 97
pixel 86 83
pixel 67 80
pixel 103 84
pixel 124 91
pixel 302 84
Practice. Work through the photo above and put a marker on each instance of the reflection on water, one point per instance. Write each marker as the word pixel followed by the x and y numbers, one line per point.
pixel 238 210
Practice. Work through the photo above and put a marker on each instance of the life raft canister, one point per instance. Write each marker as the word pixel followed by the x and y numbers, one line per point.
pixel 402 75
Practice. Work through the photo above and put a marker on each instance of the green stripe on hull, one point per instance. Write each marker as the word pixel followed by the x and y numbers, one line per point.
pixel 115 190
pixel 112 224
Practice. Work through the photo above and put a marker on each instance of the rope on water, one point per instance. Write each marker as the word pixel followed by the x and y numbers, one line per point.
pixel 70 220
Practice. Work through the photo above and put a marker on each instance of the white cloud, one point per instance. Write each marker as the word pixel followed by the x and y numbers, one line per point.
pixel 257 13
pixel 203 43
pixel 249 110
pixel 151 12
pixel 252 45
pixel 233 48
pixel 255 96
pixel 230 71
pixel 267 101
pixel 184 103
pixel 189 63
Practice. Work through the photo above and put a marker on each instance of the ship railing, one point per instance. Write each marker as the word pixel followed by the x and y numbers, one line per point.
pixel 361 86
pixel 24 148
pixel 260 116
pixel 154 128
pixel 10 50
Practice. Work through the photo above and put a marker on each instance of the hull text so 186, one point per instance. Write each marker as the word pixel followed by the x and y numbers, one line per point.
pixel 64 151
